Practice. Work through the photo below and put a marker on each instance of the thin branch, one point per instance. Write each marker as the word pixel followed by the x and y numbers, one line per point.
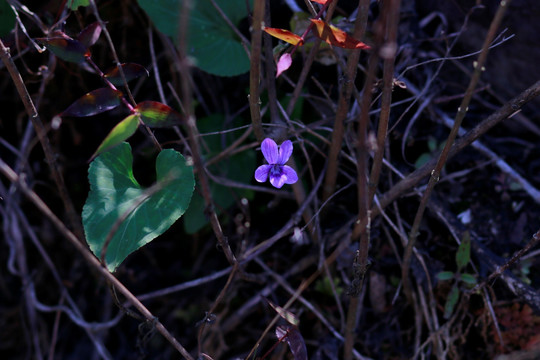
pixel 255 71
pixel 43 139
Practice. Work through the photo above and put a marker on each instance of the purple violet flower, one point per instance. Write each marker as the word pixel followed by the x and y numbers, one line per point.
pixel 277 170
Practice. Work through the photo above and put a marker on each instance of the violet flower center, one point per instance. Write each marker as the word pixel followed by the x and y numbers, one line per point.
pixel 275 170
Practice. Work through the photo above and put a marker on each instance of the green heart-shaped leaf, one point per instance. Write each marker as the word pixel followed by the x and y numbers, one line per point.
pixel 146 213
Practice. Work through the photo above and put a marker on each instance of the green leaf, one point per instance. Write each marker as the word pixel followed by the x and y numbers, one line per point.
pixel 114 191
pixel 451 302
pixel 74 4
pixel 468 279
pixel 66 49
pixel 213 45
pixel 122 131
pixel 156 114
pixel 422 160
pixel 7 18
pixel 94 102
pixel 463 255
pixel 445 275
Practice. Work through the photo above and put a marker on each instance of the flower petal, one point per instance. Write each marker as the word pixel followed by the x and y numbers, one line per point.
pixel 285 151
pixel 270 151
pixel 261 174
pixel 277 180
pixel 291 175
pixel 285 62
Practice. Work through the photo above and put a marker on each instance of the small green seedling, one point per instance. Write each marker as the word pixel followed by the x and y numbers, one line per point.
pixel 463 256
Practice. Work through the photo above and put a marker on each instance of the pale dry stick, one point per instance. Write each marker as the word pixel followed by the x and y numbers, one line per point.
pixel 412 121
pixel 429 319
pixel 403 236
pixel 285 285
pixel 235 184
pixel 91 326
pixel 65 294
pixel 345 93
pixel 155 66
pixel 500 163
pixel 89 257
pixel 496 42
pixel 230 150
pixel 489 305
pixel 472 135
pixel 18 266
pixel 37 21
pixel 435 173
pixel 437 70
pixel 54 336
pixel 43 139
pixel 193 132
pixel 218 300
pixel 247 308
pixel 186 285
pixel 305 284
pixel 12 222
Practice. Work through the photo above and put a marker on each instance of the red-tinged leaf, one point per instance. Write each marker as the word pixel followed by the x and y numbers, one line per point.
pixel 335 36
pixel 284 63
pixel 285 35
pixel 156 114
pixel 95 102
pixel 90 34
pixel 131 72
pixel 122 131
pixel 66 49
pixel 294 339
pixel 322 2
